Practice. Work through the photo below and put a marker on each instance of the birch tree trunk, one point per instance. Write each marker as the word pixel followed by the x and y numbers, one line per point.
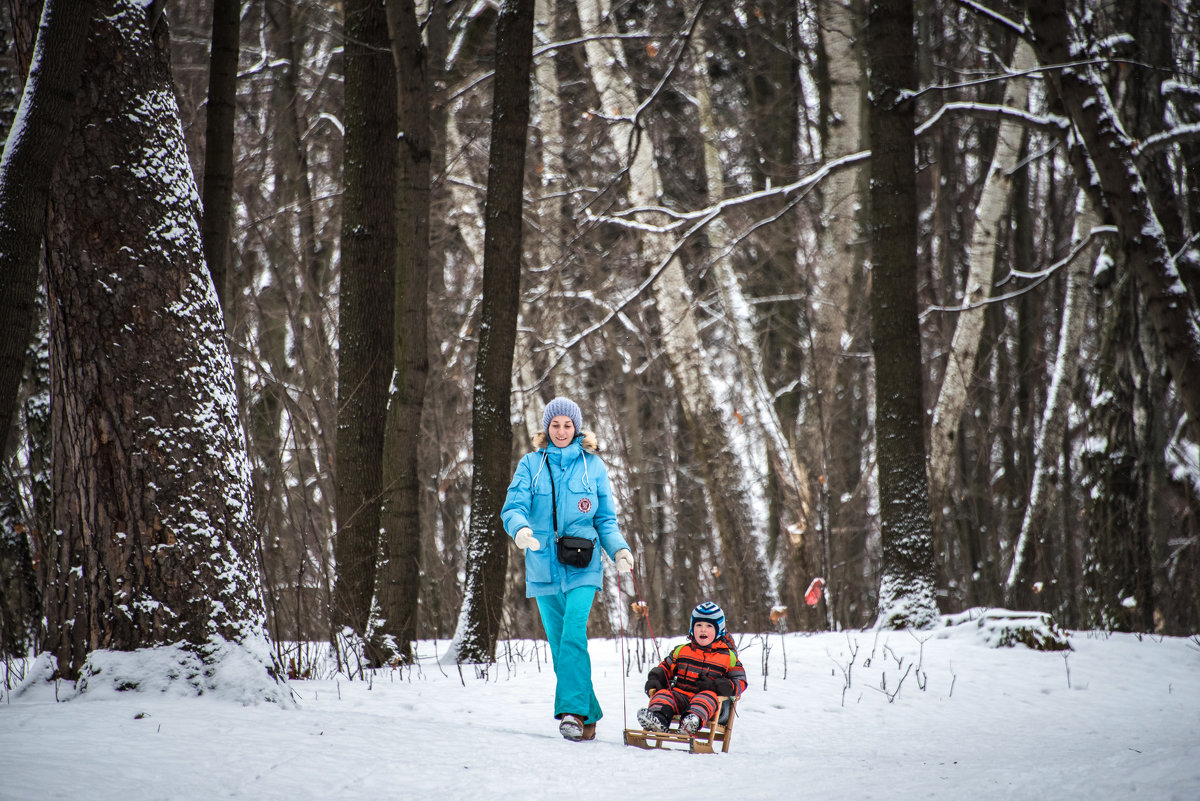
pixel 838 288
pixel 968 332
pixel 791 474
pixel 725 475
pixel 153 542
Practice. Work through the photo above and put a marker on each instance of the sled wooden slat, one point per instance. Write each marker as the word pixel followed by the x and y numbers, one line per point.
pixel 704 741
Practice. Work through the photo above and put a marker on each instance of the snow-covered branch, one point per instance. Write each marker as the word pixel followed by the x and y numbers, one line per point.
pixel 1180 133
pixel 1043 122
pixel 708 212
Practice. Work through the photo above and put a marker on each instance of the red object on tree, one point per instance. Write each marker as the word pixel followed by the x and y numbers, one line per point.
pixel 813 593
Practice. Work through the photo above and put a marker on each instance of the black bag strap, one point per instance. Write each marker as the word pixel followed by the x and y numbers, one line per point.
pixel 553 500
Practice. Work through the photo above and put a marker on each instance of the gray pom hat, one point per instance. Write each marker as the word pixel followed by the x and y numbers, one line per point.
pixel 566 407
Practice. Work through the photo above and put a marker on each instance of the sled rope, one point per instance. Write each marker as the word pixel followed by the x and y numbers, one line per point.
pixel 646 613
pixel 624 693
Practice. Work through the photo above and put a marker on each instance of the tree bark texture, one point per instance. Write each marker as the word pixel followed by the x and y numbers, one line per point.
pixel 365 318
pixel 487 544
pixel 153 539
pixel 400 573
pixel 33 148
pixel 906 598
pixel 217 227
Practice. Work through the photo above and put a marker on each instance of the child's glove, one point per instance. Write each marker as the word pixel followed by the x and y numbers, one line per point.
pixel 624 561
pixel 720 685
pixel 525 539
pixel 657 680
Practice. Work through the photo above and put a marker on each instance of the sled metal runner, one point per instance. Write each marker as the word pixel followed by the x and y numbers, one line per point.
pixel 704 741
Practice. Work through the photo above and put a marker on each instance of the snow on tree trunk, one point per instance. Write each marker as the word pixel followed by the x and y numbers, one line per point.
pixel 696 390
pixel 153 542
pixel 968 332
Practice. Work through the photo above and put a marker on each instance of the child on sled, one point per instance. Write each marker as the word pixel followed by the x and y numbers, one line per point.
pixel 693 675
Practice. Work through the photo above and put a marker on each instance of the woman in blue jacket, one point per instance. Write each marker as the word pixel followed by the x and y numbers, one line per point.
pixel 562 490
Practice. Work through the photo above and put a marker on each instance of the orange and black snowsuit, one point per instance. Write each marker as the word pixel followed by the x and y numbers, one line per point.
pixel 693 676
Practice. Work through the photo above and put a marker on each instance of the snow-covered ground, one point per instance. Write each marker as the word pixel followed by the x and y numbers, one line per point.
pixel 850 715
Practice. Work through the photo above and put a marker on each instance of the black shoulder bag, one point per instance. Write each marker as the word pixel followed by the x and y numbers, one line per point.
pixel 572 551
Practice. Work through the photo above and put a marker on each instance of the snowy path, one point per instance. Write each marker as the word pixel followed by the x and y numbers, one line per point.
pixel 1118 719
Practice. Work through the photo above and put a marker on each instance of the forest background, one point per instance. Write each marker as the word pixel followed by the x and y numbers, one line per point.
pixel 699 251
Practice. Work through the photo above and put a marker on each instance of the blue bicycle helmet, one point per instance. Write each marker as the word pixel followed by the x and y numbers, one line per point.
pixel 710 612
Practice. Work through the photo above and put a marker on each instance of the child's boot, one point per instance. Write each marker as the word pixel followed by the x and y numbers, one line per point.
pixel 690 723
pixel 653 720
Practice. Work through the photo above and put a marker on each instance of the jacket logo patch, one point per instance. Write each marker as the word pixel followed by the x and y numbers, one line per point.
pixel 585 505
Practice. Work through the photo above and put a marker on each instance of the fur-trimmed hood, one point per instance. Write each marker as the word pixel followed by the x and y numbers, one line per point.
pixel 590 444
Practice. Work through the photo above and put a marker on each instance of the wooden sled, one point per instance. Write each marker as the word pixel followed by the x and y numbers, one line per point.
pixel 704 741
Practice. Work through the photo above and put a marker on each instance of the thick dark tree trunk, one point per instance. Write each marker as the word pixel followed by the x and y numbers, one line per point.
pixel 218 142
pixel 400 573
pixel 153 540
pixel 33 148
pixel 906 591
pixel 366 306
pixel 487 546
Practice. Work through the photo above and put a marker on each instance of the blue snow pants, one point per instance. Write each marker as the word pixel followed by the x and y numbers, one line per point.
pixel 564 617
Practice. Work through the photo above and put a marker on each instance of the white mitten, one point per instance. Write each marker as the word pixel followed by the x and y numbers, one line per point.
pixel 525 539
pixel 624 561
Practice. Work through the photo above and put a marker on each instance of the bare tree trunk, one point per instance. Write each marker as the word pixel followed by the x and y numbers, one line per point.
pixel 30 153
pixel 400 572
pixel 725 476
pixel 487 548
pixel 153 539
pixel 906 595
pixel 1043 491
pixel 218 142
pixel 366 313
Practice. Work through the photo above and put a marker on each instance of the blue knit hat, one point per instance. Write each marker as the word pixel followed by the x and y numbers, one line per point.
pixel 709 613
pixel 564 406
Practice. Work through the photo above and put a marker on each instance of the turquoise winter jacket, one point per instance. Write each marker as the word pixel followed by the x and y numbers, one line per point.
pixel 585 509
